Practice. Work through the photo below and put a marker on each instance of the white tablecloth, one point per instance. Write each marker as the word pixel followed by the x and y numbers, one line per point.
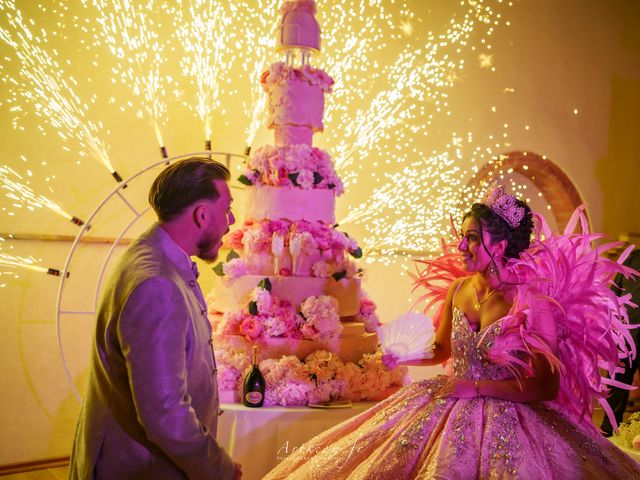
pixel 259 438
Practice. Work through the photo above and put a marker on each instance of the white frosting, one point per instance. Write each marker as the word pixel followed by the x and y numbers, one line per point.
pixel 235 294
pixel 293 135
pixel 293 204
pixel 295 103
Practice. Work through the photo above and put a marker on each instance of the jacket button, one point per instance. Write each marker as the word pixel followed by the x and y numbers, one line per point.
pixel 192 283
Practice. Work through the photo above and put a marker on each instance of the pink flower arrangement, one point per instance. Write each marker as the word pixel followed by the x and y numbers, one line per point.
pixel 229 324
pixel 321 319
pixel 351 377
pixel 264 301
pixel 320 378
pixel 268 316
pixel 234 268
pixel 231 364
pixel 275 327
pixel 234 240
pixel 288 381
pixel 257 239
pixel 324 364
pixel 367 313
pixel 270 243
pixel 292 166
pixel 321 269
pixel 251 328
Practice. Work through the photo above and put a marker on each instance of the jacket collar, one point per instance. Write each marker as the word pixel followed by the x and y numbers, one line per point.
pixel 177 255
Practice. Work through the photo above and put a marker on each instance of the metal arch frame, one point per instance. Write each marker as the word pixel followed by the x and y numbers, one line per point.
pixel 137 214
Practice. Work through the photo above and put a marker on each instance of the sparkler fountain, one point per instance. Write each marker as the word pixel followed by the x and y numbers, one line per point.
pixel 356 32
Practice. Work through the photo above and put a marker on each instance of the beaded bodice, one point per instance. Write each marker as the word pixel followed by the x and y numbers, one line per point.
pixel 469 350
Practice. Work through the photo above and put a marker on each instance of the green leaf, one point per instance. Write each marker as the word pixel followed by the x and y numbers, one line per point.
pixel 253 308
pixel 218 269
pixel 339 275
pixel 266 284
pixel 244 180
pixel 232 254
pixel 357 253
pixel 317 178
pixel 294 178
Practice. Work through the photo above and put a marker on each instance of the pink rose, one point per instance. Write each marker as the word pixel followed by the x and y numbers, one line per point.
pixel 251 328
pixel 234 240
pixel 308 331
pixel 321 269
pixel 327 255
pixel 263 299
pixel 279 226
pixel 229 323
pixel 367 306
pixel 305 179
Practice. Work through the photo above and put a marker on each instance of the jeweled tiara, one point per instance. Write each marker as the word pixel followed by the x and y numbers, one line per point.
pixel 504 204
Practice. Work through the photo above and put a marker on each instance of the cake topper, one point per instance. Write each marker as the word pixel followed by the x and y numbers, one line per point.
pixel 299 29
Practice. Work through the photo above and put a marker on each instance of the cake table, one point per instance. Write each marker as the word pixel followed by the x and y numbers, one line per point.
pixel 259 438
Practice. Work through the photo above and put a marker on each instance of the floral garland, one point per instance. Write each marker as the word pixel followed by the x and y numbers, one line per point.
pixel 321 377
pixel 299 166
pixel 300 237
pixel 268 316
pixel 280 73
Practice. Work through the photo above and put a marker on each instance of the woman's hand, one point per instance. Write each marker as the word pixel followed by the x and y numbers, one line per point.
pixel 458 388
pixel 390 361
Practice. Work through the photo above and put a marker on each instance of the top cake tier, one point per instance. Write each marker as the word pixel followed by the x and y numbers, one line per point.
pixel 299 27
pixel 295 101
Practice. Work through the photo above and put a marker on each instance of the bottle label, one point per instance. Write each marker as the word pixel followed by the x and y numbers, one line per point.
pixel 253 397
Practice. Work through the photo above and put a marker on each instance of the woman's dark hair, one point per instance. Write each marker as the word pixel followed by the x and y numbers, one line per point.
pixel 183 183
pixel 518 238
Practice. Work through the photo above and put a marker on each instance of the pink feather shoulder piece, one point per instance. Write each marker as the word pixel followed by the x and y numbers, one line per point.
pixel 566 280
pixel 436 276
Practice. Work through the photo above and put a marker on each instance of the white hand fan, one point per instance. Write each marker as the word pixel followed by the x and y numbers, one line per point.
pixel 408 337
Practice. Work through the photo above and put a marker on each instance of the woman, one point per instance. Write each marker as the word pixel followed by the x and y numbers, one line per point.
pixel 526 347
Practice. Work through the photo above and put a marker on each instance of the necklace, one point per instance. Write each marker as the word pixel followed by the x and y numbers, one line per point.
pixel 478 304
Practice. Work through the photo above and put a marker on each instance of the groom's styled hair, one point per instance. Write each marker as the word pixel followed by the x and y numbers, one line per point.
pixel 183 183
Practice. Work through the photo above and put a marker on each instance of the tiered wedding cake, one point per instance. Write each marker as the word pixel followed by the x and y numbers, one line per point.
pixel 290 283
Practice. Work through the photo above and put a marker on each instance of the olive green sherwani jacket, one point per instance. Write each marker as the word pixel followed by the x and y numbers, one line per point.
pixel 150 409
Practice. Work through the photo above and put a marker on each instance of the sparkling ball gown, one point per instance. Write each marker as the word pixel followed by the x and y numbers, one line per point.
pixel 417 434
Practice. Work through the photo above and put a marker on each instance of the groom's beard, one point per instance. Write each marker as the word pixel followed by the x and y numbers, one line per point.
pixel 208 247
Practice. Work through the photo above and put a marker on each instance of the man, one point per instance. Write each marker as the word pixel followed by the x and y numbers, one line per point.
pixel 151 405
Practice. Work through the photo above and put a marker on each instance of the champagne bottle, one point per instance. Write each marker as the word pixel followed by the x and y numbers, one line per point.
pixel 253 391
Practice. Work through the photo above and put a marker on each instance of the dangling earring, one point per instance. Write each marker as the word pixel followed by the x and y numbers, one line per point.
pixel 492 269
